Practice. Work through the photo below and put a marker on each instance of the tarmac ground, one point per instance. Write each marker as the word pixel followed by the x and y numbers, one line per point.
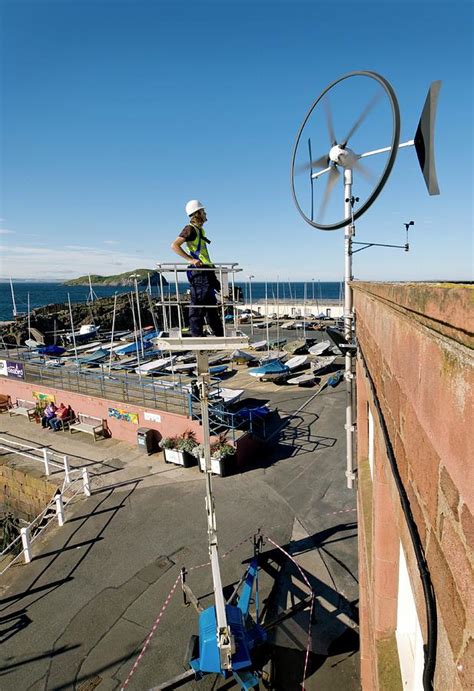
pixel 78 615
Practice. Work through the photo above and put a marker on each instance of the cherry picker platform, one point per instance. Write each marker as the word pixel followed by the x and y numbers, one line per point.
pixel 227 633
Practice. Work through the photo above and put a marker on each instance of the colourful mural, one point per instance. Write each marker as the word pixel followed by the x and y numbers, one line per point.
pixel 44 397
pixel 119 414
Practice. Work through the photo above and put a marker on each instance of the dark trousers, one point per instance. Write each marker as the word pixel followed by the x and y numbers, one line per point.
pixel 203 293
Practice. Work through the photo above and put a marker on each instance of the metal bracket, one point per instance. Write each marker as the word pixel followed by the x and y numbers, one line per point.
pixel 189 598
pixel 206 344
pixel 349 428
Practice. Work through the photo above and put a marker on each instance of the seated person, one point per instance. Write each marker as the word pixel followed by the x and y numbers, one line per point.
pixel 48 414
pixel 63 414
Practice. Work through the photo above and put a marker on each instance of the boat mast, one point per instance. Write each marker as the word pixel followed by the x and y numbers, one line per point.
pixel 278 310
pixel 304 311
pixel 13 299
pixel 92 295
pixel 72 327
pixel 112 333
pixel 29 317
pixel 135 332
pixel 266 312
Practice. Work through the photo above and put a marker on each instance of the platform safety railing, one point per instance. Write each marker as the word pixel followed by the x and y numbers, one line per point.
pixel 229 294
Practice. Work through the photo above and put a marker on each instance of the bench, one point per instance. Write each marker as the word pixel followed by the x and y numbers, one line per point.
pixel 25 408
pixel 66 422
pixel 88 424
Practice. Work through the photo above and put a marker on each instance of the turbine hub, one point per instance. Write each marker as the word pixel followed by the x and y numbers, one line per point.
pixel 342 156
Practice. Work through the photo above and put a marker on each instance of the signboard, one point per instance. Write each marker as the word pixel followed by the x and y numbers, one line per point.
pixel 152 417
pixel 120 414
pixel 44 397
pixel 12 369
pixel 15 369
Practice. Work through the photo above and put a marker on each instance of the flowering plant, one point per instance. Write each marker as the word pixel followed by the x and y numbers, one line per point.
pixel 219 448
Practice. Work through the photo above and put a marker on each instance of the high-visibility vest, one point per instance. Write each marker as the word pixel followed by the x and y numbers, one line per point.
pixel 198 247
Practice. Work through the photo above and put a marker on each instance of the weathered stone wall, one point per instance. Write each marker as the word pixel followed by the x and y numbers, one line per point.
pixel 416 341
pixel 24 494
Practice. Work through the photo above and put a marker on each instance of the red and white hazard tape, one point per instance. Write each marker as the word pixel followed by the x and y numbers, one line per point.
pixel 334 513
pixel 303 576
pixel 150 635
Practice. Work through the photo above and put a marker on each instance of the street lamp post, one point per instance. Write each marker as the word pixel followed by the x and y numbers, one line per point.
pixel 251 306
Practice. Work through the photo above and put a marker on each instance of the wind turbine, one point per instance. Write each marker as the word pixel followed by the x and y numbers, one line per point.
pixel 340 163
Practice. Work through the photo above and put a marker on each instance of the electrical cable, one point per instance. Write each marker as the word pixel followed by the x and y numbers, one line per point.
pixel 428 590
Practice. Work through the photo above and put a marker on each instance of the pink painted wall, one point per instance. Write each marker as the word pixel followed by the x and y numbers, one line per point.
pixel 171 424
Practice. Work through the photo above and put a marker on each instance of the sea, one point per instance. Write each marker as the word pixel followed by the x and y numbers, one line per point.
pixel 41 294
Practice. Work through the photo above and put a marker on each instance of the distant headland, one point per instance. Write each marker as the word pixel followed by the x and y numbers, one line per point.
pixel 142 276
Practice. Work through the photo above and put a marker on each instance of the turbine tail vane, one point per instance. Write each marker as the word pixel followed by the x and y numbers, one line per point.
pixel 424 139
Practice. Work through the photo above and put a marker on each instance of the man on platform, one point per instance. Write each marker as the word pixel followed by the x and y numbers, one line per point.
pixel 202 280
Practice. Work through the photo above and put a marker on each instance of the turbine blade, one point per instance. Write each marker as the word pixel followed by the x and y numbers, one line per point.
pixel 365 172
pixel 329 121
pixel 333 177
pixel 311 181
pixel 318 163
pixel 362 117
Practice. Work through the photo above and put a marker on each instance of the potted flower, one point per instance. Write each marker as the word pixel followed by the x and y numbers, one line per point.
pixel 222 456
pixel 179 450
pixel 39 411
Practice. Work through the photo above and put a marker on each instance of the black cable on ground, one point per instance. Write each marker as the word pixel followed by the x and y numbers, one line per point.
pixel 428 590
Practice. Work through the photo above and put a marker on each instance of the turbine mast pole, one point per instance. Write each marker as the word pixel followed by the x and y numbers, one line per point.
pixel 348 317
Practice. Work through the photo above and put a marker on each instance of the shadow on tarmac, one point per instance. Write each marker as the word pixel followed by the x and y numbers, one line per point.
pixel 334 620
pixel 334 623
pixel 4 669
pixel 19 620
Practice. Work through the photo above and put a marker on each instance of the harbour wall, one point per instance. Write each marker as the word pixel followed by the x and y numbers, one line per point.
pixel 295 309
pixel 416 344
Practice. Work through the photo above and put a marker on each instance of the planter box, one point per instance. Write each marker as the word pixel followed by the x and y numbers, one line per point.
pixel 179 457
pixel 219 465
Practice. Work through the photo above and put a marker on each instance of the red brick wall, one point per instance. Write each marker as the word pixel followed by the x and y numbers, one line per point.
pixel 417 342
pixel 171 424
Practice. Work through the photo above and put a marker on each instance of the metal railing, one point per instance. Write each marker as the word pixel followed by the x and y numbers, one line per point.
pixel 157 394
pixel 55 508
pixel 222 420
pixel 118 387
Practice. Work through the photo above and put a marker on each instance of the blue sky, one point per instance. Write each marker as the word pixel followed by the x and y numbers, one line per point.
pixel 115 113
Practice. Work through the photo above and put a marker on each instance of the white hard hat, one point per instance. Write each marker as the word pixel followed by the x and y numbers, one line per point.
pixel 193 206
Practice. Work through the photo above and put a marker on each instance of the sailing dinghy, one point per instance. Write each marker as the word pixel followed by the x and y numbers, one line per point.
pixel 296 362
pixel 305 379
pixel 241 357
pixel 155 365
pixel 273 369
pixel 259 345
pixel 321 362
pixel 319 348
